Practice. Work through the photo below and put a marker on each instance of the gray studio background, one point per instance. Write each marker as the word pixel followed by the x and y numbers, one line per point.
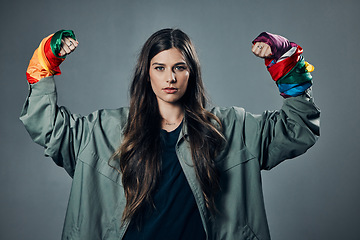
pixel 315 196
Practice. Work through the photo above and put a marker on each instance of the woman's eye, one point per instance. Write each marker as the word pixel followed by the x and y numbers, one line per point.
pixel 180 68
pixel 159 68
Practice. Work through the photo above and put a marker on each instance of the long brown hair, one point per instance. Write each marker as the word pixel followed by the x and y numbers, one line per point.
pixel 140 151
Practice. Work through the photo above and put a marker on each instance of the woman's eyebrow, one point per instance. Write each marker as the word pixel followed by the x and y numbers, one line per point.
pixel 156 63
pixel 163 64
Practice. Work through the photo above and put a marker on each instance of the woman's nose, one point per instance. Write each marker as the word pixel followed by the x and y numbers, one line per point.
pixel 171 78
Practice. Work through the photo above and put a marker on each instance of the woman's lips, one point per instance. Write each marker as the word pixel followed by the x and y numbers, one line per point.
pixel 170 90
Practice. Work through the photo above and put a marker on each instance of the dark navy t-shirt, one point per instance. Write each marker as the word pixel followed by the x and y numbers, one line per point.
pixel 176 215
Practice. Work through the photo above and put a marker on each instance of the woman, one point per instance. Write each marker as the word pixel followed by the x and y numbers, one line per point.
pixel 167 168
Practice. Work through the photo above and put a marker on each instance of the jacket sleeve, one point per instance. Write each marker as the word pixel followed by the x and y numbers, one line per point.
pixel 61 133
pixel 278 135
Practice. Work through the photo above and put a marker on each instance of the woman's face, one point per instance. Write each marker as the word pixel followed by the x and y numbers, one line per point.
pixel 169 75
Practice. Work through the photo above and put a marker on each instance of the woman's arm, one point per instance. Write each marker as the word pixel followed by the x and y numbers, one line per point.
pixel 61 133
pixel 275 136
pixel 278 135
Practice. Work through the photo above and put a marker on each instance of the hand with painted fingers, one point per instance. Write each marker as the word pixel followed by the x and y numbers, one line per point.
pixel 68 45
pixel 262 50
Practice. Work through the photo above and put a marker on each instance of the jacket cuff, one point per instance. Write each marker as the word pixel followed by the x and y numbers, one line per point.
pixel 44 87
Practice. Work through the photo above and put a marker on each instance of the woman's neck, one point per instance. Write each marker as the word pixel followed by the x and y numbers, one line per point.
pixel 172 115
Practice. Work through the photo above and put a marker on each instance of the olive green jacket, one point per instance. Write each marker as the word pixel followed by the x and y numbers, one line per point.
pixel 83 146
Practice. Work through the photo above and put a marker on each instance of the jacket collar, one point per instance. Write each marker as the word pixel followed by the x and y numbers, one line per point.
pixel 184 131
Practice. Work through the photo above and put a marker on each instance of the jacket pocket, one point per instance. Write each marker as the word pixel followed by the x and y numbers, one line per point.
pixel 101 165
pixel 74 234
pixel 233 159
pixel 248 233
